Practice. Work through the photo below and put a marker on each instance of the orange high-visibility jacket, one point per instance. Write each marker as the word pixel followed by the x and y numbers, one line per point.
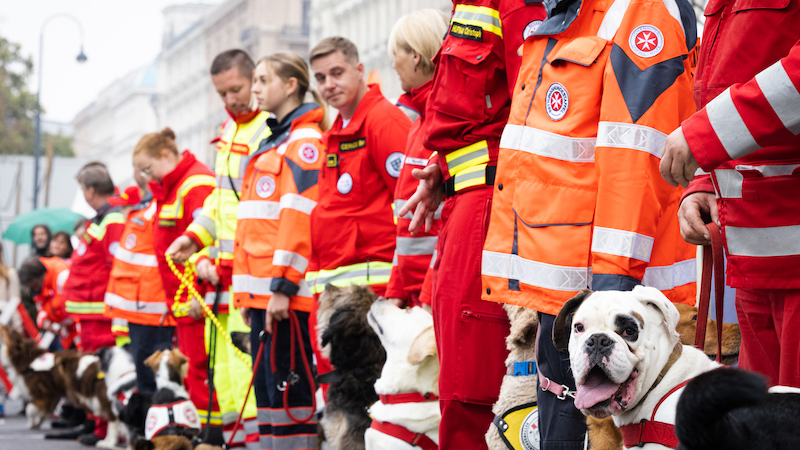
pixel 135 292
pixel 50 300
pixel 578 199
pixel 279 191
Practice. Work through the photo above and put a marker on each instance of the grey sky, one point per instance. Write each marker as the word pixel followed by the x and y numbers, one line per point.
pixel 120 35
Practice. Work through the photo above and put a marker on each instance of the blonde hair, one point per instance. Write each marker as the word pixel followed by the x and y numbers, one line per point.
pixel 288 65
pixel 420 31
pixel 153 143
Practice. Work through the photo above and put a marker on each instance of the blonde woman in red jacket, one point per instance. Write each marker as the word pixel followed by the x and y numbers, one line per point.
pixel 273 244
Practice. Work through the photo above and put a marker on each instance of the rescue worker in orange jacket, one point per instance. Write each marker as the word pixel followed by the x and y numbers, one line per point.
pixel 479 61
pixel 273 244
pixel 135 293
pixel 46 277
pixel 179 184
pixel 579 202
pixel 413 42
pixel 91 262
pixel 352 231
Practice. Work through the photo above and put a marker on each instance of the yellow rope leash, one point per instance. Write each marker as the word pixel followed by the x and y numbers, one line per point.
pixel 181 309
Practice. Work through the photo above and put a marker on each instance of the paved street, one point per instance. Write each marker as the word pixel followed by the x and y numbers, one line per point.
pixel 14 435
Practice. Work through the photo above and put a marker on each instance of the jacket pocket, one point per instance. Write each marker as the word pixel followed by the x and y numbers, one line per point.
pixel 539 204
pixel 747 5
pixel 465 75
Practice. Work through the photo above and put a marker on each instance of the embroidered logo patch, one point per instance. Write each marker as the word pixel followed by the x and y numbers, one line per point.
pixel 130 241
pixel 646 41
pixel 471 32
pixel 530 28
pixel 394 163
pixel 352 145
pixel 265 186
pixel 345 184
pixel 557 101
pixel 308 153
pixel 529 431
pixel 82 249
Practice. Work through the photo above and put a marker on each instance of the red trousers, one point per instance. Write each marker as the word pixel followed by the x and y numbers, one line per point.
pixel 770 324
pixel 191 342
pixel 95 334
pixel 470 332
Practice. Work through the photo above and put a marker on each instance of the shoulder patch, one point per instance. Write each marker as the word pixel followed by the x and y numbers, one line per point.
pixel 646 41
pixel 308 153
pixel 394 163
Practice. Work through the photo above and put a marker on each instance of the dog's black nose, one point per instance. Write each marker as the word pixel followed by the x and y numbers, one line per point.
pixel 599 343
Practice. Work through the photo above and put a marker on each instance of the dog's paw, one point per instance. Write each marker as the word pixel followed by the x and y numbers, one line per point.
pixel 106 444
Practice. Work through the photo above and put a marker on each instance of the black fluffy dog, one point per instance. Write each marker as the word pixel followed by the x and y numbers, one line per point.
pixel 731 409
pixel 358 356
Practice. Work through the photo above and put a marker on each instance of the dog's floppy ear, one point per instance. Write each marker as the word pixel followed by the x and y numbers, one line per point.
pixel 654 297
pixel 560 334
pixel 154 360
pixel 144 444
pixel 423 346
pixel 524 323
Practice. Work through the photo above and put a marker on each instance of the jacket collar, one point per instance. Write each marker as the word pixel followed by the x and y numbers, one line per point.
pixel 372 97
pixel 285 125
pixel 560 15
pixel 417 98
pixel 303 114
pixel 243 118
pixel 161 190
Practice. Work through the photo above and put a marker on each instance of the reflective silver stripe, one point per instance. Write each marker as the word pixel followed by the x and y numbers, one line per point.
pixel 265 440
pixel 229 417
pixel 213 252
pixel 395 261
pixel 626 135
pixel 304 133
pixel 117 322
pixel 477 153
pixel 61 280
pixel 207 223
pixel 136 259
pixel 243 160
pixel 665 278
pixel 263 415
pixel 238 439
pixel 544 143
pixel 763 242
pixel 262 286
pixel 226 245
pixel 224 299
pixel 782 95
pixel 259 209
pixel 298 203
pixel 344 277
pixel 729 181
pixel 612 19
pixel 622 243
pixel 124 304
pixel 224 183
pixel 399 204
pixel 258 133
pixel 410 246
pixel 279 417
pixel 416 161
pixel 291 442
pixel 729 126
pixel 485 18
pixel 433 259
pixel 294 260
pixel 533 273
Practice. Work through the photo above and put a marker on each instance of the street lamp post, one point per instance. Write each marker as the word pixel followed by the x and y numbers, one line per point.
pixel 37 149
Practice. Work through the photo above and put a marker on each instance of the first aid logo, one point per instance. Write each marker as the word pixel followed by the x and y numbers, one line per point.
pixel 394 163
pixel 646 41
pixel 309 153
pixel 130 241
pixel 345 184
pixel 557 99
pixel 265 186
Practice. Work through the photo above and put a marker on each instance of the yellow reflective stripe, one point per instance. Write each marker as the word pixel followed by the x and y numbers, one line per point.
pixel 474 176
pixel 202 234
pixel 99 231
pixel 469 156
pixel 481 16
pixel 175 210
pixel 85 307
pixel 359 274
pixel 216 418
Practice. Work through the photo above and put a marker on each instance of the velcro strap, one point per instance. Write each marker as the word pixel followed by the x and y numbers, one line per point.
pixel 482 175
pixel 407 397
pixel 649 432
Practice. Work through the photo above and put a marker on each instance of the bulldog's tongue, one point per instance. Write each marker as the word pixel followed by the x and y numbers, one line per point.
pixel 597 388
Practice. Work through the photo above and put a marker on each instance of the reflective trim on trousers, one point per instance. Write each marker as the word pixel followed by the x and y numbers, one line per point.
pixel 410 246
pixel 224 299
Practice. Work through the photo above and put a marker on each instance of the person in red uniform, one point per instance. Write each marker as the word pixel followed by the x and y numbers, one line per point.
pixel 91 263
pixel 745 140
pixel 479 61
pixel 352 231
pixel 47 277
pixel 413 42
pixel 179 184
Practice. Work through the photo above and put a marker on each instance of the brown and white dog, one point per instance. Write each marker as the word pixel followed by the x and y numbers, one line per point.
pixel 30 368
pixel 627 358
pixel 408 407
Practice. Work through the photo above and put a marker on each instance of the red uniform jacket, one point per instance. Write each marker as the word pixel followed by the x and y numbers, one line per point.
pixel 50 300
pixel 91 265
pixel 476 69
pixel 352 231
pixel 744 136
pixel 180 197
pixel 412 253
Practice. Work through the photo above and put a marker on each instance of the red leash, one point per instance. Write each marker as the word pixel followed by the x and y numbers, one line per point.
pixel 713 262
pixel 295 336
pixel 262 338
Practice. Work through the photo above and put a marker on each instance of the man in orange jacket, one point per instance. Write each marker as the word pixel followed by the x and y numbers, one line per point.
pixel 135 293
pixel 352 230
pixel 579 202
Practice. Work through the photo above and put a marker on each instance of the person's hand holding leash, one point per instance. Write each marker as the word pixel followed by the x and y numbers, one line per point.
pixel 277 309
pixel 182 249
pixel 206 270
pixel 690 217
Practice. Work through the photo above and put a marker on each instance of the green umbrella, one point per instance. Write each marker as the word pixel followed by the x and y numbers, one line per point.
pixel 58 219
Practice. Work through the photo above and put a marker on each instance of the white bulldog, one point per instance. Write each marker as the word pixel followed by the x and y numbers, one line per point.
pixel 626 356
pixel 412 371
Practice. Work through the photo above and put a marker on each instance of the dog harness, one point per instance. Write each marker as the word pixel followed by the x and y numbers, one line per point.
pixel 179 418
pixel 420 440
pixel 519 426
pixel 660 429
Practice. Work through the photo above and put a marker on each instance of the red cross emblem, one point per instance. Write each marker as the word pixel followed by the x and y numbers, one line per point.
pixel 646 41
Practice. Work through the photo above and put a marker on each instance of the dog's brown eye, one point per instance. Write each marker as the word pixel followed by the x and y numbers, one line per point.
pixel 695 317
pixel 630 331
pixel 579 328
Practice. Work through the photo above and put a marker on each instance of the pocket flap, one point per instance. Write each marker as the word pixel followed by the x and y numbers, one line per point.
pixel 744 5
pixel 269 162
pixel 583 50
pixel 713 7
pixel 465 50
